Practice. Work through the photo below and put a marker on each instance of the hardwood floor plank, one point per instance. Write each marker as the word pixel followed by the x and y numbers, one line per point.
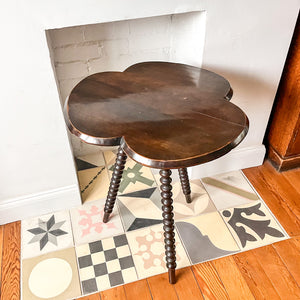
pixel 10 283
pixel 209 281
pixel 116 293
pixel 186 285
pixel 91 297
pixel 1 248
pixel 160 287
pixel 277 272
pixel 283 187
pixel 277 205
pixel 293 177
pixel 289 252
pixel 234 282
pixel 257 280
pixel 139 288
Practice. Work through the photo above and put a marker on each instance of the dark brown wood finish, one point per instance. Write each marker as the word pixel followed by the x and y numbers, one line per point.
pixel 185 184
pixel 114 184
pixel 168 221
pixel 164 115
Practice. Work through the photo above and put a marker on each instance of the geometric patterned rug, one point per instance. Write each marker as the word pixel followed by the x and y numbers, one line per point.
pixel 71 253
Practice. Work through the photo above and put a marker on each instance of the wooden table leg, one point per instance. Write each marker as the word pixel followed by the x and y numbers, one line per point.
pixel 168 221
pixel 114 183
pixel 185 184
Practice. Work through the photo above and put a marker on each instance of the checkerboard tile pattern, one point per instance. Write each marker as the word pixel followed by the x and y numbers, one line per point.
pixel 104 264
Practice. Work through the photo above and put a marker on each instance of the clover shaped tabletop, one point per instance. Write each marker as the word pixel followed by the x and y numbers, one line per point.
pixel 164 115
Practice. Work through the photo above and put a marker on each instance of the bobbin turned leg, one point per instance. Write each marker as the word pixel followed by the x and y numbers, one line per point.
pixel 168 222
pixel 185 184
pixel 114 183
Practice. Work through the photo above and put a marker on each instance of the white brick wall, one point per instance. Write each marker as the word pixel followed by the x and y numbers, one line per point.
pixel 83 50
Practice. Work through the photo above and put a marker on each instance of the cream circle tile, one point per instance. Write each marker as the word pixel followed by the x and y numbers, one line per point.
pixel 46 282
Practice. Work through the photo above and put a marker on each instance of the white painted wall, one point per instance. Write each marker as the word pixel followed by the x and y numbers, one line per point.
pixel 246 41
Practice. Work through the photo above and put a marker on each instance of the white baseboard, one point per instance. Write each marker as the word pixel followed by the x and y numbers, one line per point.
pixel 67 197
pixel 38 204
pixel 234 160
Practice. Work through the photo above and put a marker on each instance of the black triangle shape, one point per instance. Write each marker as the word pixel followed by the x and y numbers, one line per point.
pixel 141 223
pixel 83 165
pixel 147 193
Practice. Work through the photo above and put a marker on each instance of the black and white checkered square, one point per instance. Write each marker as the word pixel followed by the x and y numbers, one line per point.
pixel 104 264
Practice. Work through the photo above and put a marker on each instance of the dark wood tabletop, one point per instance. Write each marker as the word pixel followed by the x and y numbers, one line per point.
pixel 165 115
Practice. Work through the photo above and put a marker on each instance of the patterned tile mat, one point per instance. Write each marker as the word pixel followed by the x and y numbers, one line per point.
pixel 67 254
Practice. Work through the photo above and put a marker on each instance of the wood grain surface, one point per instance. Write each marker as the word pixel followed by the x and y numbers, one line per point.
pixel 160 287
pixel 10 283
pixel 186 284
pixel 284 188
pixel 232 279
pixel 117 293
pixel 1 250
pixel 209 281
pixel 91 297
pixel 138 289
pixel 284 129
pixel 274 201
pixel 280 277
pixel 165 115
pixel 289 252
pixel 255 276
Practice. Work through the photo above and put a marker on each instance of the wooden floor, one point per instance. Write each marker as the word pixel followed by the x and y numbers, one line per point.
pixel 270 272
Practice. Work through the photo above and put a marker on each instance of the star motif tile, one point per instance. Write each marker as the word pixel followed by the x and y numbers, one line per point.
pixel 252 225
pixel 51 276
pixel 87 222
pixel 229 190
pixel 46 233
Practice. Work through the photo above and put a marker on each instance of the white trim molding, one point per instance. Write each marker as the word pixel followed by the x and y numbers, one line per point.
pixel 239 158
pixel 43 203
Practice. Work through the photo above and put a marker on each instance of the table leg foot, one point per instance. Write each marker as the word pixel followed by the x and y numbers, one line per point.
pixel 172 278
pixel 168 221
pixel 114 184
pixel 185 184
pixel 106 217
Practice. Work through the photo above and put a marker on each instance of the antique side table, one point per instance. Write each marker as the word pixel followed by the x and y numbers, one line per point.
pixel 163 115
